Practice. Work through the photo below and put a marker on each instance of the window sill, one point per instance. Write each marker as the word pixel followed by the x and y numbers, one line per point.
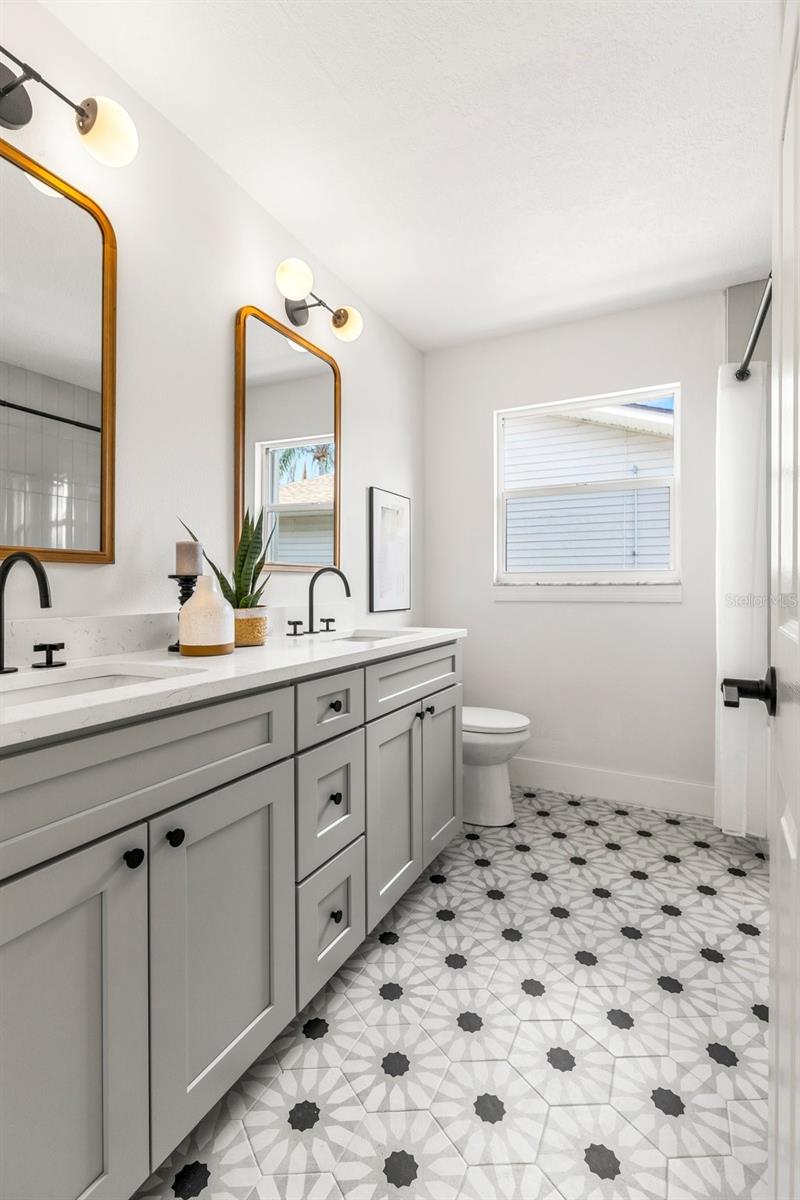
pixel 587 593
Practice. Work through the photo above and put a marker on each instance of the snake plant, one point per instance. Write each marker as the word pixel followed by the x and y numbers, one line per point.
pixel 243 590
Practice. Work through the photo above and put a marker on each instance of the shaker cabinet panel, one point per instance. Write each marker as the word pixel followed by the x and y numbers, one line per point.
pixel 331 917
pixel 329 706
pixel 330 800
pixel 441 771
pixel 73 998
pixel 221 944
pixel 394 809
pixel 395 682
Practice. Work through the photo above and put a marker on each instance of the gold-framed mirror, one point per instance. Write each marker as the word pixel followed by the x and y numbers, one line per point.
pixel 57 366
pixel 287 438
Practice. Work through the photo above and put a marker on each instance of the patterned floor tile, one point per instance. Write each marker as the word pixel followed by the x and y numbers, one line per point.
pixel 563 1063
pixel 590 1152
pixel 400 1154
pixel 674 996
pixel 490 1113
pixel 470 1025
pixel 216 1156
pixel 297 1187
pixel 391 993
pixel 321 1036
pixel 519 1182
pixel 671 1106
pixel 456 960
pixel 303 1121
pixel 395 1069
pixel 591 964
pixel 714 1179
pixel 622 1021
pixel 748 1123
pixel 733 1052
pixel 533 990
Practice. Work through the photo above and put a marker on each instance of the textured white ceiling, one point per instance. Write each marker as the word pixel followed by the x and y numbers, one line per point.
pixel 475 166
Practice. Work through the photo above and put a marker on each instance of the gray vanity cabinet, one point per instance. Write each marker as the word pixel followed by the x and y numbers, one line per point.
pixel 222 938
pixel 73 998
pixel 394 808
pixel 441 771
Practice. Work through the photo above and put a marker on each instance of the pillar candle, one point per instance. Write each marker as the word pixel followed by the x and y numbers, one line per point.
pixel 188 558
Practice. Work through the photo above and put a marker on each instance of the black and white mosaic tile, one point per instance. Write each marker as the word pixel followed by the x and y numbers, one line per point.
pixel 571 1008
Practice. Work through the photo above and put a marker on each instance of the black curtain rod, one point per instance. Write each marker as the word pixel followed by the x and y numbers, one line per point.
pixel 38 412
pixel 755 332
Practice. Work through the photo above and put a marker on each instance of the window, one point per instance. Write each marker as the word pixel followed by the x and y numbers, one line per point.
pixel 587 490
pixel 296 481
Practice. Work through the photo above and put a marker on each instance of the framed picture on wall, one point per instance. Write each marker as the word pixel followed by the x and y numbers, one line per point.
pixel 389 551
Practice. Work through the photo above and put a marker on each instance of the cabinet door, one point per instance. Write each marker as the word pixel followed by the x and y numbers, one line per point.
pixel 330 800
pixel 441 771
pixel 73 1053
pixel 221 944
pixel 394 808
pixel 330 920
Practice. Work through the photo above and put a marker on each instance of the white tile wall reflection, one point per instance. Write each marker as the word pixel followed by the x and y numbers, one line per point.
pixel 49 471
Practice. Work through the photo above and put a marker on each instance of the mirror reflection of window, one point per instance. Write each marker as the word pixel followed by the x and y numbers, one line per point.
pixel 290 449
pixel 51 252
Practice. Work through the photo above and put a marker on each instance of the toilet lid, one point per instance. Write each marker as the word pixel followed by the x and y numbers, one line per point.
pixel 493 720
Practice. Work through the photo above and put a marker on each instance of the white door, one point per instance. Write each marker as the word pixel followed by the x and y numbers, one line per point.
pixel 784 816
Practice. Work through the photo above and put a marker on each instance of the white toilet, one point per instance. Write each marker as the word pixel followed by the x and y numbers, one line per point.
pixel 491 738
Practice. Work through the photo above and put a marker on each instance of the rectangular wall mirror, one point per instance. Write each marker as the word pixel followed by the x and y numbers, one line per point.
pixel 288 450
pixel 57 338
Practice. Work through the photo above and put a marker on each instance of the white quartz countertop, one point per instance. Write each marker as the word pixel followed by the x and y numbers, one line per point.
pixel 25 721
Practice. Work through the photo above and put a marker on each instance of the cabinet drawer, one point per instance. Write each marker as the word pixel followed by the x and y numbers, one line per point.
pixel 329 706
pixel 330 800
pixel 56 799
pixel 399 681
pixel 331 919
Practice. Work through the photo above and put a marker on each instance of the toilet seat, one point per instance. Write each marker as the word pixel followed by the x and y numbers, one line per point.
pixel 493 720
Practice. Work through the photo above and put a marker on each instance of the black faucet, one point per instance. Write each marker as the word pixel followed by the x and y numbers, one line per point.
pixel 314 578
pixel 44 594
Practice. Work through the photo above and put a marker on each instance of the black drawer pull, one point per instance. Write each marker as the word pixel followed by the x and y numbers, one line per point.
pixel 336 705
pixel 175 836
pixel 430 709
pixel 134 858
pixel 337 798
pixel 337 915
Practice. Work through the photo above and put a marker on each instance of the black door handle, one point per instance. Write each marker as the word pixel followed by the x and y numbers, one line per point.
pixel 134 858
pixel 175 836
pixel 336 705
pixel 765 690
pixel 336 916
pixel 336 798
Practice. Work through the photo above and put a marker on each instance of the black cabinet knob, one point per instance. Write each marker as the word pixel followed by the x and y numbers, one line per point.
pixel 175 836
pixel 430 709
pixel 134 858
pixel 419 716
pixel 336 798
pixel 336 916
pixel 336 705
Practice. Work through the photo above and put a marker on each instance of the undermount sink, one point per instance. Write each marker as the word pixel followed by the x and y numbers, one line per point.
pixel 373 635
pixel 76 681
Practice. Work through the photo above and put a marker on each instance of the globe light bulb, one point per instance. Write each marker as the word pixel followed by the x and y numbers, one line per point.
pixel 107 132
pixel 294 279
pixel 347 324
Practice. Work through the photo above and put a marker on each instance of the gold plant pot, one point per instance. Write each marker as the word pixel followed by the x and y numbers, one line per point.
pixel 251 626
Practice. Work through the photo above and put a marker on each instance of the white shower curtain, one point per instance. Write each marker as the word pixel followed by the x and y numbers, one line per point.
pixel 742 597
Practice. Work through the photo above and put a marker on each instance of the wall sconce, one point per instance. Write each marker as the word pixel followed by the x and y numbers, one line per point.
pixel 295 281
pixel 108 133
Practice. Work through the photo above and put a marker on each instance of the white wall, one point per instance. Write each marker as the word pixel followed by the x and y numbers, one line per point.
pixel 193 248
pixel 621 695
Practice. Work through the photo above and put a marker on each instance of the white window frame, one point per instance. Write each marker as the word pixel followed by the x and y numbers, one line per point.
pixel 580 584
pixel 263 482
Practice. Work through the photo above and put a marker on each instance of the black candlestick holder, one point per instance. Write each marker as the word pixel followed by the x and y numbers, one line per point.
pixel 186 586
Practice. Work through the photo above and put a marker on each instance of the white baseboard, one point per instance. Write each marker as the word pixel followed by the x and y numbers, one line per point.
pixel 646 791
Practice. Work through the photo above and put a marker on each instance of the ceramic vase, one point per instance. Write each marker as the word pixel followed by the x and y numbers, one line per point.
pixel 206 624
pixel 251 626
